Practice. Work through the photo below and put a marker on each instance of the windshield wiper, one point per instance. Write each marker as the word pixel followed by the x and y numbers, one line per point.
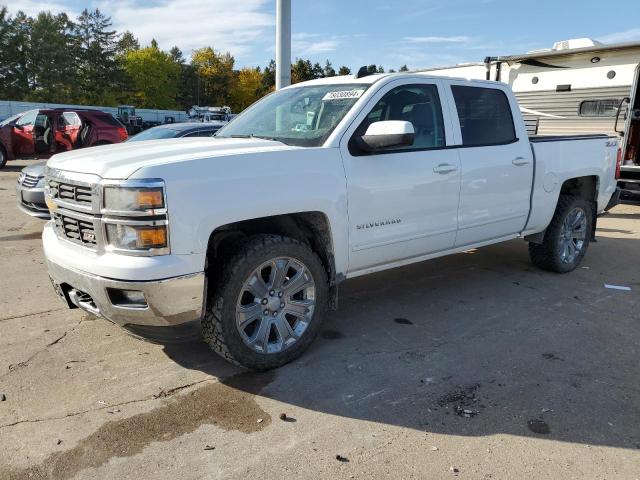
pixel 244 135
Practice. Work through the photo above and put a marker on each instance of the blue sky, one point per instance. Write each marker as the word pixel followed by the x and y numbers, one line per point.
pixel 419 33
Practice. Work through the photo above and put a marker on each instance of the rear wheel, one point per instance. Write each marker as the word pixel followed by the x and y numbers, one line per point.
pixel 267 308
pixel 567 237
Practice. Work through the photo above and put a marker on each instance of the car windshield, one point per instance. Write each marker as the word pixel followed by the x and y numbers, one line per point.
pixel 301 116
pixel 155 134
pixel 9 120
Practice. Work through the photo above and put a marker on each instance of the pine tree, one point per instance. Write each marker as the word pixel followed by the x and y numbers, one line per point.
pixel 329 71
pixel 98 74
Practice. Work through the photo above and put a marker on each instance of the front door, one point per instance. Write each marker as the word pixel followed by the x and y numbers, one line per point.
pixel 23 135
pixel 496 165
pixel 402 202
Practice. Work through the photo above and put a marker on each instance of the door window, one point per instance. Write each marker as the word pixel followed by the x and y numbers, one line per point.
pixel 485 116
pixel 70 119
pixel 418 104
pixel 27 119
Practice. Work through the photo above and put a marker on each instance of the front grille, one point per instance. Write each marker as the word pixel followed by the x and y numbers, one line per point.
pixel 70 193
pixel 76 230
pixel 30 181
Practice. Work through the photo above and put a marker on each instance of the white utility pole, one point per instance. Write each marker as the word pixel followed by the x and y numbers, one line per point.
pixel 283 43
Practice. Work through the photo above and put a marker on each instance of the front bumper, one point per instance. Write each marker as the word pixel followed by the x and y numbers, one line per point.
pixel 31 201
pixel 170 302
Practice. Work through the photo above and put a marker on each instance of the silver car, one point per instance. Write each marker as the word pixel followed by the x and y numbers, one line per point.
pixel 30 191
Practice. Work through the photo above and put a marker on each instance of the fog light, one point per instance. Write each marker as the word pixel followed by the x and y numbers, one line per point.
pixel 127 298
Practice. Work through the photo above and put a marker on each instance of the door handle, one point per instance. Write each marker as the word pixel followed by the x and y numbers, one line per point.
pixel 520 161
pixel 445 168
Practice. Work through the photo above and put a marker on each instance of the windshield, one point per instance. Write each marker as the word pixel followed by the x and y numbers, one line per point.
pixel 9 120
pixel 301 116
pixel 154 134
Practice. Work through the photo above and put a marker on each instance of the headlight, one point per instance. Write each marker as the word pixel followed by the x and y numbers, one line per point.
pixel 21 177
pixel 138 238
pixel 135 199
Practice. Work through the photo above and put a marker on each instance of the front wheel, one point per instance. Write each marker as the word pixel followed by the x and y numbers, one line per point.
pixel 3 157
pixel 567 237
pixel 267 308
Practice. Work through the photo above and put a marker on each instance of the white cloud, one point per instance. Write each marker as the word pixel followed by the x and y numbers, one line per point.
pixel 305 43
pixel 32 8
pixel 435 39
pixel 226 25
pixel 620 37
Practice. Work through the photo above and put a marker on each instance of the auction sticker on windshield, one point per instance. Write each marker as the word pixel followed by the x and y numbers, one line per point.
pixel 343 94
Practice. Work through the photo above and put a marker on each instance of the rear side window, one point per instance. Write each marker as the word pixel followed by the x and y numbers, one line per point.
pixel 599 108
pixel 69 118
pixel 485 116
pixel 109 120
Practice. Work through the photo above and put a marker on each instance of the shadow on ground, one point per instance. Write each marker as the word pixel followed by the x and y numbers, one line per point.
pixel 475 344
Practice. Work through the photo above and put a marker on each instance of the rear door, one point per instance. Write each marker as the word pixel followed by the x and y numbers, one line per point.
pixel 68 130
pixel 402 202
pixel 496 163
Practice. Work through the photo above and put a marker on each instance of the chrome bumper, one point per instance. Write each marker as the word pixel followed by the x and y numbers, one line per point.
pixel 31 202
pixel 170 301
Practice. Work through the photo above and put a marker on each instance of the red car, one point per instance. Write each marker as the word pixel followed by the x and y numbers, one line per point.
pixel 41 133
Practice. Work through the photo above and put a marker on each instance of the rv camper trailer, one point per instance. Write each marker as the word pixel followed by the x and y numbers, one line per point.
pixel 578 87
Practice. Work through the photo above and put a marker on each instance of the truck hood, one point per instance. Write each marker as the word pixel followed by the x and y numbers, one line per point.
pixel 122 160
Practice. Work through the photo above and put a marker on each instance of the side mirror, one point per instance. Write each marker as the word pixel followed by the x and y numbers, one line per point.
pixel 19 127
pixel 388 133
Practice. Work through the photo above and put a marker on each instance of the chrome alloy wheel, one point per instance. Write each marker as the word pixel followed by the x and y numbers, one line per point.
pixel 275 305
pixel 573 235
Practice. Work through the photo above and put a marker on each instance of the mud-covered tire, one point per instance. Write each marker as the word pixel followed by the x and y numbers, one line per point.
pixel 219 322
pixel 549 254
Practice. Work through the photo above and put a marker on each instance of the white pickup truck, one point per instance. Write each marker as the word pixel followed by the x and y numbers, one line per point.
pixel 248 234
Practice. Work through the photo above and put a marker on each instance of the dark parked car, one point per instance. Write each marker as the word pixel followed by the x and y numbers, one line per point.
pixel 30 189
pixel 42 133
pixel 179 130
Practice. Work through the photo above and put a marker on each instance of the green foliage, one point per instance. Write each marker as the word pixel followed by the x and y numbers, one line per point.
pixel 154 75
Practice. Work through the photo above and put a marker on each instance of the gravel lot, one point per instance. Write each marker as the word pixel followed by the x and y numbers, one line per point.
pixel 472 366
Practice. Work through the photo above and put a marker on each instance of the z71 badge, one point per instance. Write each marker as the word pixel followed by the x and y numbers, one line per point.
pixel 380 223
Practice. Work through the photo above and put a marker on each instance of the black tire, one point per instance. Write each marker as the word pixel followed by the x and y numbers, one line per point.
pixel 548 255
pixel 219 323
pixel 3 157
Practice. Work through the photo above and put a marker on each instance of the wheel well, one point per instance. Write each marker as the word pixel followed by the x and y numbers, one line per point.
pixel 585 187
pixel 311 228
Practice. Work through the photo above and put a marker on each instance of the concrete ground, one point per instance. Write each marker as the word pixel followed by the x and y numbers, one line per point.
pixel 476 366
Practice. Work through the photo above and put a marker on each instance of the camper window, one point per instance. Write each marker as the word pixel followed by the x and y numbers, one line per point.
pixel 599 108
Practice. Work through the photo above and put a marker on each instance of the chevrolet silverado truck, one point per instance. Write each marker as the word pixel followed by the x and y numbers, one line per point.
pixel 247 235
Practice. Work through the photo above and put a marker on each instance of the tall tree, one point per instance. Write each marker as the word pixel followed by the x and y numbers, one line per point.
pixel 301 71
pixel 268 78
pixel 14 55
pixel 155 77
pixel 247 88
pixel 215 73
pixel 317 71
pixel 127 43
pixel 98 75
pixel 344 71
pixel 51 68
pixel 329 71
pixel 404 68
